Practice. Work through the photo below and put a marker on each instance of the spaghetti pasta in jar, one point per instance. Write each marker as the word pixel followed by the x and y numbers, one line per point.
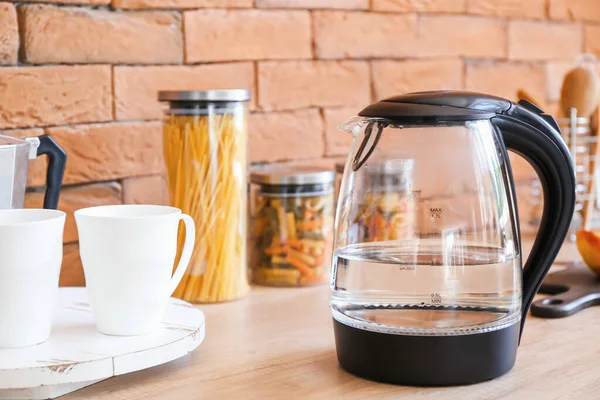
pixel 205 151
pixel 339 173
pixel 292 225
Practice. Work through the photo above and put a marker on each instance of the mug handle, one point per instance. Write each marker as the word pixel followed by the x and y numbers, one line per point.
pixel 57 158
pixel 186 254
pixel 56 169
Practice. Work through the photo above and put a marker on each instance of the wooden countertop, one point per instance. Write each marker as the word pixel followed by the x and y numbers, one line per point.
pixel 278 344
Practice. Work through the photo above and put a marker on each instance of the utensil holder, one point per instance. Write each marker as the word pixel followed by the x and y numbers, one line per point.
pixel 578 136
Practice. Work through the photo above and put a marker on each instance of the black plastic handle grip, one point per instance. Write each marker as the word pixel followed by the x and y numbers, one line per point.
pixel 57 160
pixel 535 137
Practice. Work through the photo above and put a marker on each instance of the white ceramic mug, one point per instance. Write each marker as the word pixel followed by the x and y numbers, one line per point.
pixel 31 249
pixel 128 252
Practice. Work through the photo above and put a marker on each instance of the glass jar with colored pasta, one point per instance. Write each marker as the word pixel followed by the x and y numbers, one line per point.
pixel 389 208
pixel 292 225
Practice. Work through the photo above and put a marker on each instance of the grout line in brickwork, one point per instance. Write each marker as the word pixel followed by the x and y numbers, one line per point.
pixel 299 60
pixel 463 78
pixel 331 157
pixel 100 64
pixel 330 60
pixel 112 93
pixel 373 92
pixel 210 62
pixel 100 7
pixel 119 181
pixel 323 131
pixel 502 61
pixel 291 110
pixel 255 86
pixel 313 35
pixel 183 38
pixel 75 125
pixel 21 29
pixel 158 120
pixel 507 36
pixel 78 124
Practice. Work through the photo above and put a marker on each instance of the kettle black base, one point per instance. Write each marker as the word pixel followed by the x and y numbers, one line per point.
pixel 426 360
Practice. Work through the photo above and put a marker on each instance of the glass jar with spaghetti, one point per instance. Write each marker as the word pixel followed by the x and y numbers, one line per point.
pixel 205 147
pixel 292 225
pixel 339 173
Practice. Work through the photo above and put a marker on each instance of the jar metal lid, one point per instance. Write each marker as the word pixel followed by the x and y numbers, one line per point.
pixel 291 175
pixel 205 95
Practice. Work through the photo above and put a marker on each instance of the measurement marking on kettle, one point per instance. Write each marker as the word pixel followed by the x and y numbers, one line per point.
pixel 436 212
pixel 414 194
pixel 436 298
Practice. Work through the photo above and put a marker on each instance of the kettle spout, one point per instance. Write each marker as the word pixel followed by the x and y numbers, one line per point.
pixel 352 125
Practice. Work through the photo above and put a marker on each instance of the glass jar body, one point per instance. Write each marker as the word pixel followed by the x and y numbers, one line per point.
pixel 205 151
pixel 291 230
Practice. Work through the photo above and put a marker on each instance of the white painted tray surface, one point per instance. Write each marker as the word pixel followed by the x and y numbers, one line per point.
pixel 77 355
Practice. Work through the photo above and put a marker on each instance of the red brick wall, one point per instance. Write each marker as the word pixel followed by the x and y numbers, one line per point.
pixel 87 72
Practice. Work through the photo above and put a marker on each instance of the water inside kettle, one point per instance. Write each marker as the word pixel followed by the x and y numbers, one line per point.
pixel 414 287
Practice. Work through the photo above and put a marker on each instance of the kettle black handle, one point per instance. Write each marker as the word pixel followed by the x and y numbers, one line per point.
pixel 57 160
pixel 536 137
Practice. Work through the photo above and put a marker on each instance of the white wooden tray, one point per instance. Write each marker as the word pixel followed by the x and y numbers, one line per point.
pixel 77 355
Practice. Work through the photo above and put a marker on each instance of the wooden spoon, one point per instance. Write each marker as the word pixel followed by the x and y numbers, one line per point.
pixel 579 97
pixel 580 90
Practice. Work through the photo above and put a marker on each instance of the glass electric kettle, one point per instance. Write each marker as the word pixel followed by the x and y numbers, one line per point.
pixel 444 303
pixel 14 158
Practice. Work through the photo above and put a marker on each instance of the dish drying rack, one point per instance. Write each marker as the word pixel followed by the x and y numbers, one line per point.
pixel 578 133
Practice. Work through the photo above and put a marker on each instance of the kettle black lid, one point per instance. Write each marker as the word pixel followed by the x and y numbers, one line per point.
pixel 438 106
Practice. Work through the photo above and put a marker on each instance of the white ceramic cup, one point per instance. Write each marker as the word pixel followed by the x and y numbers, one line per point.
pixel 31 252
pixel 128 252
